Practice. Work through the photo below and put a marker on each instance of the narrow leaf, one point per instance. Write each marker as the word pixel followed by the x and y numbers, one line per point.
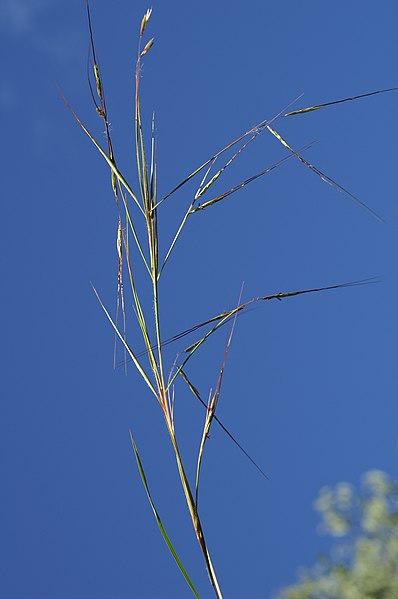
pixel 110 162
pixel 318 106
pixel 184 220
pixel 240 185
pixel 222 318
pixel 324 177
pixel 225 317
pixel 196 393
pixel 159 521
pixel 256 130
pixel 128 348
pixel 211 409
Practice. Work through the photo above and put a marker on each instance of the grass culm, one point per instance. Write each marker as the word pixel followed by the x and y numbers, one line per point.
pixel 137 240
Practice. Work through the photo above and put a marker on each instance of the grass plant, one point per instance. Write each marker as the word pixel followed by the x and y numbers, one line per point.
pixel 137 241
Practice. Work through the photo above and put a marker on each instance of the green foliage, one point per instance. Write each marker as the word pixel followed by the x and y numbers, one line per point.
pixel 364 564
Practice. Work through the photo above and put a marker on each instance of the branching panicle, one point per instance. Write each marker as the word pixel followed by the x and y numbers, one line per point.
pixel 139 222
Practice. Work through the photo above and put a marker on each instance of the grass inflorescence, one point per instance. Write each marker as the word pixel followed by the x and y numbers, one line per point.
pixel 137 242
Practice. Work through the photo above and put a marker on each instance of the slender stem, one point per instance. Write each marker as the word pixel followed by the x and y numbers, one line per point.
pixel 148 196
pixel 192 507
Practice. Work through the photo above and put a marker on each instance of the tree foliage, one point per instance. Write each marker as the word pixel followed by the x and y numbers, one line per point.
pixel 364 564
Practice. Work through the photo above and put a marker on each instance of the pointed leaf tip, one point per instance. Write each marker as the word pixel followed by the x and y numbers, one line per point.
pixel 159 521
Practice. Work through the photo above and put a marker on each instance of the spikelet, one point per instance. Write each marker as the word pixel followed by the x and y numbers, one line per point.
pixel 148 46
pixel 145 20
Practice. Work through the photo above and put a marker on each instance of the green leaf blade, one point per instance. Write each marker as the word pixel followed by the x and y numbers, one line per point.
pixel 159 521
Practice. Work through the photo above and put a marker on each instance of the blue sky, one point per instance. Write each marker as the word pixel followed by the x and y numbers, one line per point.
pixel 310 386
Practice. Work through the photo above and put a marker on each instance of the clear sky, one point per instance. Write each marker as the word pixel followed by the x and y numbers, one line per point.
pixel 310 387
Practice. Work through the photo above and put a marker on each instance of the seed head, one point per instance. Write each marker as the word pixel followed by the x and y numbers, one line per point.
pixel 148 46
pixel 145 20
